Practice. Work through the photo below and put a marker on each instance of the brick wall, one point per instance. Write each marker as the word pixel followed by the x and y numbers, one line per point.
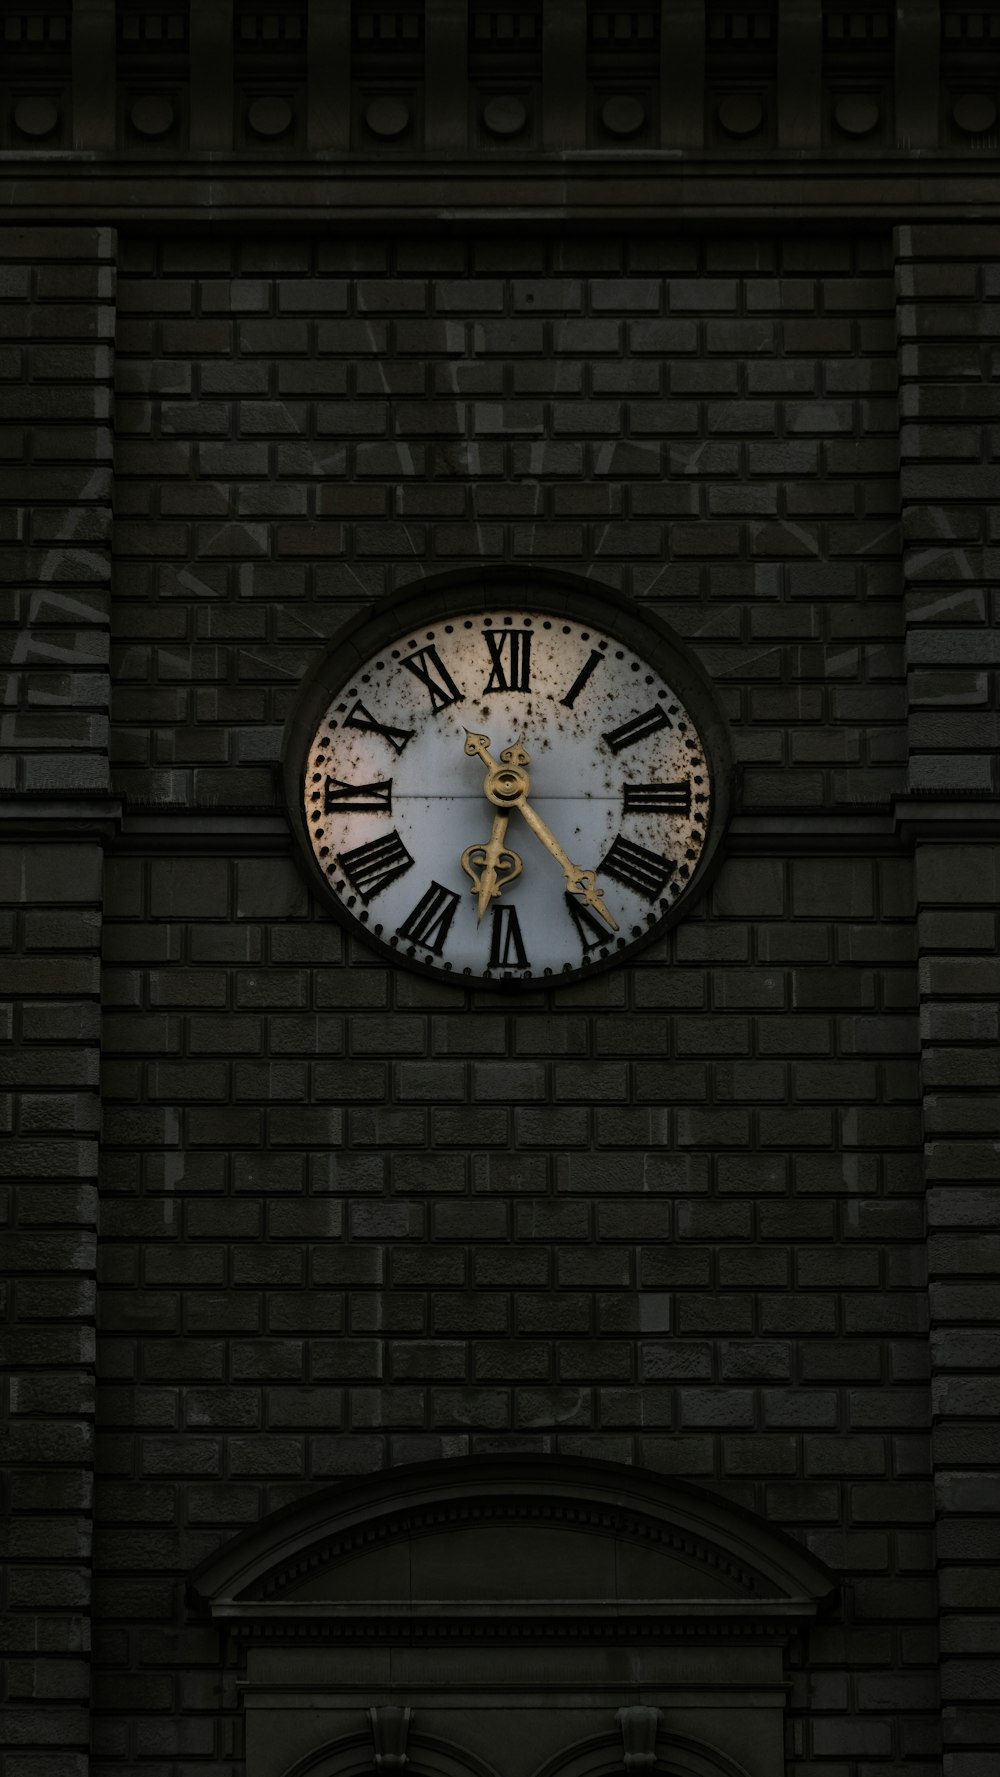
pixel 672 1216
pixel 56 341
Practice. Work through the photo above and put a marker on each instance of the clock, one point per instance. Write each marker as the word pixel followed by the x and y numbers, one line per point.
pixel 512 779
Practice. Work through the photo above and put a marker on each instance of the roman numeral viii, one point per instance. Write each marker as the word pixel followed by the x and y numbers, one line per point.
pixel 658 798
pixel 357 798
pixel 430 921
pixel 370 868
pixel 361 718
pixel 427 666
pixel 645 872
pixel 650 722
pixel 510 660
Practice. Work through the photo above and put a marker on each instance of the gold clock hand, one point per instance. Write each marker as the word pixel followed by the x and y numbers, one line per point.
pixel 488 865
pixel 582 883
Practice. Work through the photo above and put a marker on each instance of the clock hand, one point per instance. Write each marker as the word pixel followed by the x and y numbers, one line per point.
pixel 507 786
pixel 582 883
pixel 488 865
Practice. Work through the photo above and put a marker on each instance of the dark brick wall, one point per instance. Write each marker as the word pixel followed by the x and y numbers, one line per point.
pixel 56 343
pixel 672 1216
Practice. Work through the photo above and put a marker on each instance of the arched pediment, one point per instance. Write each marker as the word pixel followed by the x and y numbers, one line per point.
pixel 483 1539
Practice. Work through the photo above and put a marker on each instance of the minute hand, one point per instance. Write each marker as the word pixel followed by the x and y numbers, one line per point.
pixel 578 882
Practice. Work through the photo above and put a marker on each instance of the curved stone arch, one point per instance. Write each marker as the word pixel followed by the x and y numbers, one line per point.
pixel 735 1557
pixel 676 1756
pixel 427 1756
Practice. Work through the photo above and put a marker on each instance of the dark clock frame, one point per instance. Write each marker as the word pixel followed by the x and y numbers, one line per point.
pixel 558 594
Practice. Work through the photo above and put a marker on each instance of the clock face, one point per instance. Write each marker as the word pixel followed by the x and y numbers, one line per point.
pixel 505 794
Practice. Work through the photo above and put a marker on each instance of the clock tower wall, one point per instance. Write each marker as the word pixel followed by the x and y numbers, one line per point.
pixel 669 1216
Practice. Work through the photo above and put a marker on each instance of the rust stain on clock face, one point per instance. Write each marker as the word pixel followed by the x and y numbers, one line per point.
pixel 606 808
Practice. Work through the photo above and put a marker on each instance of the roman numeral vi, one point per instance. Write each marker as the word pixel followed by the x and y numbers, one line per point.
pixel 506 944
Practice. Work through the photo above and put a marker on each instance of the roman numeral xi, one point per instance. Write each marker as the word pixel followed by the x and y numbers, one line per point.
pixel 370 868
pixel 427 666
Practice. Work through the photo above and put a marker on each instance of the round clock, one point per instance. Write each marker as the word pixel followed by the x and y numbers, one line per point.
pixel 509 780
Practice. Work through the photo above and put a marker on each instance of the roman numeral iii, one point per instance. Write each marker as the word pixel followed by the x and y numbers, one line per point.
pixel 430 921
pixel 427 666
pixel 640 727
pixel 510 660
pixel 506 944
pixel 361 718
pixel 645 872
pixel 339 796
pixel 370 868
pixel 658 798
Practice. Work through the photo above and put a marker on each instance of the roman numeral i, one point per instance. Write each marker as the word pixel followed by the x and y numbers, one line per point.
pixel 370 868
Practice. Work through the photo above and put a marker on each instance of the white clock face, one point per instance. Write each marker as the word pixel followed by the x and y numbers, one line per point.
pixel 506 795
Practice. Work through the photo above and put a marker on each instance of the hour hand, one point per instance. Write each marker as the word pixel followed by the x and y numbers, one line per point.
pixel 491 866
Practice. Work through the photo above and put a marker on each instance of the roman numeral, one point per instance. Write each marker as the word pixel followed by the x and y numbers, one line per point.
pixel 658 798
pixel 510 660
pixel 506 944
pixel 430 921
pixel 650 722
pixel 592 661
pixel 591 931
pixel 645 872
pixel 357 798
pixel 370 868
pixel 427 666
pixel 361 718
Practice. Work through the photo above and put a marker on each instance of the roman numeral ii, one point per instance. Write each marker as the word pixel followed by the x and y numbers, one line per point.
pixel 650 722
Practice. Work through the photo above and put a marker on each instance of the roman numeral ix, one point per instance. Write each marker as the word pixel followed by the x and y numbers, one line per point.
pixel 427 666
pixel 510 660
pixel 650 722
pixel 506 944
pixel 658 798
pixel 645 872
pixel 361 718
pixel 430 921
pixel 339 796
pixel 370 868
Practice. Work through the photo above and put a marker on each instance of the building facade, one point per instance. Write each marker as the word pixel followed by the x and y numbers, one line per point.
pixel 552 1377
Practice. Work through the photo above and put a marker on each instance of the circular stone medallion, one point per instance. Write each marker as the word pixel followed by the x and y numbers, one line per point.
pixel 151 116
pixel 506 115
pixel 269 117
pixel 36 116
pixel 623 114
pixel 387 117
pixel 740 114
pixel 974 113
pixel 856 115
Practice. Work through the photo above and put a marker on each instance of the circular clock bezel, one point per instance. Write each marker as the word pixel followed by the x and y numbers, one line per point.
pixel 462 593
